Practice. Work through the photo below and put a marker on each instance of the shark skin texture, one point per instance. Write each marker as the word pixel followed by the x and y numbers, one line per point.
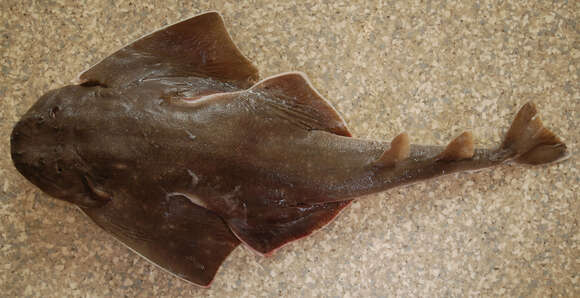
pixel 175 147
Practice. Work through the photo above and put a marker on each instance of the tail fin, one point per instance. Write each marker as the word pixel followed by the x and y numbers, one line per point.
pixel 530 142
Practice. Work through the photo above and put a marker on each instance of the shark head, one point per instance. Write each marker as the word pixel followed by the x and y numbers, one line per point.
pixel 43 147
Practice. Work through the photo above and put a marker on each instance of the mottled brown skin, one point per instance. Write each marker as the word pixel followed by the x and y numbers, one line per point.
pixel 165 145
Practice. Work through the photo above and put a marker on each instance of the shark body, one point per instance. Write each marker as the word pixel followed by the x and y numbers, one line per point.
pixel 174 146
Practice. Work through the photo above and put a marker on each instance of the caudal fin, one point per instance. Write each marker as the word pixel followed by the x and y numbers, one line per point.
pixel 530 142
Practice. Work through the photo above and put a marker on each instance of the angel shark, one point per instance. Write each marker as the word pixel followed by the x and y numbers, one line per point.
pixel 174 146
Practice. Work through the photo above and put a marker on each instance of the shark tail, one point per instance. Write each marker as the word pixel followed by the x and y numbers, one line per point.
pixel 529 142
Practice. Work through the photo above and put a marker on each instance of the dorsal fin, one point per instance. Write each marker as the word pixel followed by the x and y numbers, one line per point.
pixel 460 148
pixel 400 150
pixel 199 46
pixel 293 94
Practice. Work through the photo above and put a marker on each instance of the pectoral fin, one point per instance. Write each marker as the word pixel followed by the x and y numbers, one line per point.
pixel 176 235
pixel 199 47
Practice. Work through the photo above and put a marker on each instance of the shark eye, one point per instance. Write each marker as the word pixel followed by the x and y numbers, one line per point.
pixel 58 167
pixel 53 111
pixel 39 120
pixel 97 192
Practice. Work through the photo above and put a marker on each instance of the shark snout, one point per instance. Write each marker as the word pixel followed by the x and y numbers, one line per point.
pixel 17 148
